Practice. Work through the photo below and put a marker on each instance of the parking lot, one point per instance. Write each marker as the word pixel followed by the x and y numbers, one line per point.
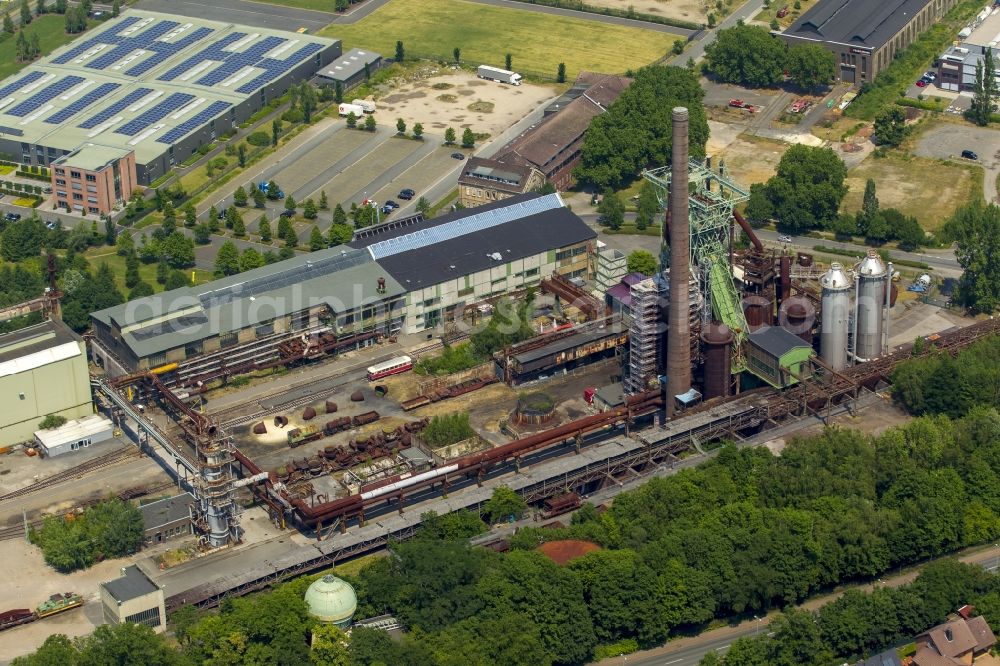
pixel 947 141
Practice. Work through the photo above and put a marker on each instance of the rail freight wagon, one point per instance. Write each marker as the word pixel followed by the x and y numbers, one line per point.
pixel 300 436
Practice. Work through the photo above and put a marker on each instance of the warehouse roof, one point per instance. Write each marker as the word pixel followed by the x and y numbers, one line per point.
pixel 578 339
pixel 341 278
pixel 776 341
pixel 350 65
pixel 862 23
pixel 73 431
pixel 37 345
pixel 132 585
pixel 496 174
pixel 165 511
pixel 429 252
pixel 144 81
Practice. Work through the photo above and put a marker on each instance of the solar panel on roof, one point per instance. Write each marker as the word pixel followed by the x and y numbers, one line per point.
pixel 110 36
pixel 20 83
pixel 463 226
pixel 214 109
pixel 79 105
pixel 214 51
pixel 275 68
pixel 39 98
pixel 110 111
pixel 158 112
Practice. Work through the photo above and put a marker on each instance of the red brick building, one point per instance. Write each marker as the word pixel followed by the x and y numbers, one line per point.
pixel 93 178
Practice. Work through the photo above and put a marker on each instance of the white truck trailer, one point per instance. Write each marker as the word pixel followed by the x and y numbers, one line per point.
pixel 346 109
pixel 500 75
pixel 366 104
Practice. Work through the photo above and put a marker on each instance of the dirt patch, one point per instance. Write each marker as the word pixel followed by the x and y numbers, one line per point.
pixel 447 99
pixel 563 552
pixel 480 106
pixel 687 10
pixel 476 83
pixel 752 159
pixel 442 86
pixel 464 92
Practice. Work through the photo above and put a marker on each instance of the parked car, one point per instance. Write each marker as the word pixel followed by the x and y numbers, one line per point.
pixel 51 224
pixel 921 83
pixel 458 156
pixel 387 210
pixel 407 194
pixel 784 239
pixel 12 217
pixel 390 204
pixel 47 189
pixel 222 213
pixel 287 213
pixel 969 155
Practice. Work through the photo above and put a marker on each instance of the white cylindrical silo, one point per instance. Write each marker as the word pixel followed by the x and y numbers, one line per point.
pixel 869 306
pixel 835 309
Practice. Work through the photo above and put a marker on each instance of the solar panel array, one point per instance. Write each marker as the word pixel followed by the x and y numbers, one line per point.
pixel 110 36
pixel 214 51
pixel 79 105
pixel 108 113
pixel 39 98
pixel 20 83
pixel 275 68
pixel 195 121
pixel 268 283
pixel 164 50
pixel 237 61
pixel 463 226
pixel 158 112
pixel 125 45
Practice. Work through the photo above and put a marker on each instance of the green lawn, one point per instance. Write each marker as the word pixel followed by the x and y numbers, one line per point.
pixel 537 42
pixel 51 30
pixel 98 255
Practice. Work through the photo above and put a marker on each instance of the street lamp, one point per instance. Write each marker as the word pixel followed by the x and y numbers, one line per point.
pixel 756 631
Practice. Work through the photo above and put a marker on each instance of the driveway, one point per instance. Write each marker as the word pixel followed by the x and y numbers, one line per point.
pixel 947 141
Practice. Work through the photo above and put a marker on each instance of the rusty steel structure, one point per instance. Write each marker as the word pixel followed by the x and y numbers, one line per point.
pixel 571 295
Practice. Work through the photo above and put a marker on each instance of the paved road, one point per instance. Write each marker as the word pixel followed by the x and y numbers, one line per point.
pixel 590 16
pixel 696 50
pixel 258 14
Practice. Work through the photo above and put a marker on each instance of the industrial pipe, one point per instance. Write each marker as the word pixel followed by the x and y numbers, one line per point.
pixel 748 230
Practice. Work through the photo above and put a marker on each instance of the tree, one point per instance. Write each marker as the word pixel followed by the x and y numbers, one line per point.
pixel 339 216
pixel 423 206
pixel 190 215
pixel 640 261
pixel 264 229
pixel 648 206
pixel 202 234
pixel 449 136
pixel 290 203
pixel 984 91
pixel 316 241
pixel 906 229
pixel 338 92
pixel 309 210
pixel 636 130
pixel 400 126
pixel 370 122
pixel 810 65
pixel 561 73
pixel 23 239
pixel 504 504
pixel 162 271
pixel 227 261
pixel 329 644
pixel 457 54
pixel 275 131
pixel 508 62
pixel 808 188
pixel 60 6
pixel 259 198
pixel 611 210
pixel 747 55
pixel 324 203
pixel 418 131
pixel 124 244
pixel 40 7
pixel 21 47
pixel 25 13
pixel 352 120
pixel 132 277
pixel 468 138
pixel 339 234
pixel 241 155
pixel 368 72
pixel 240 197
pixel 141 290
pixel 869 204
pixel 232 215
pixel 890 126
pixel 400 52
pixel 116 9
pixel 273 190
pixel 8 24
pixel 250 259
pixel 976 231
pixel 239 227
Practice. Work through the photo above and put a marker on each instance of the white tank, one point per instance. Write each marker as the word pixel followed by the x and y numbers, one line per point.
pixel 870 301
pixel 835 310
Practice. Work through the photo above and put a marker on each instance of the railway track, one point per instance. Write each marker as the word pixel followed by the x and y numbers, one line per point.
pixel 306 399
pixel 110 459
pixel 12 532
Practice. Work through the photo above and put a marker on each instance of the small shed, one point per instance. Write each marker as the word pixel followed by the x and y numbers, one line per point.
pixel 777 356
pixel 349 69
pixel 74 435
pixel 167 518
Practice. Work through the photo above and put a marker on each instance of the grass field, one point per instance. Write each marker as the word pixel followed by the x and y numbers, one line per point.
pixel 51 30
pixel 97 256
pixel 930 190
pixel 537 42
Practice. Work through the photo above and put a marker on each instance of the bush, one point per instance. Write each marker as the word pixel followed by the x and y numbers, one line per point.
pixel 51 421
pixel 259 139
pixel 293 116
pixel 447 429
pixel 451 359
pixel 112 528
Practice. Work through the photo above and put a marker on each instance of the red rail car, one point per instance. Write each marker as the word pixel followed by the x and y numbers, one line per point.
pixel 393 366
